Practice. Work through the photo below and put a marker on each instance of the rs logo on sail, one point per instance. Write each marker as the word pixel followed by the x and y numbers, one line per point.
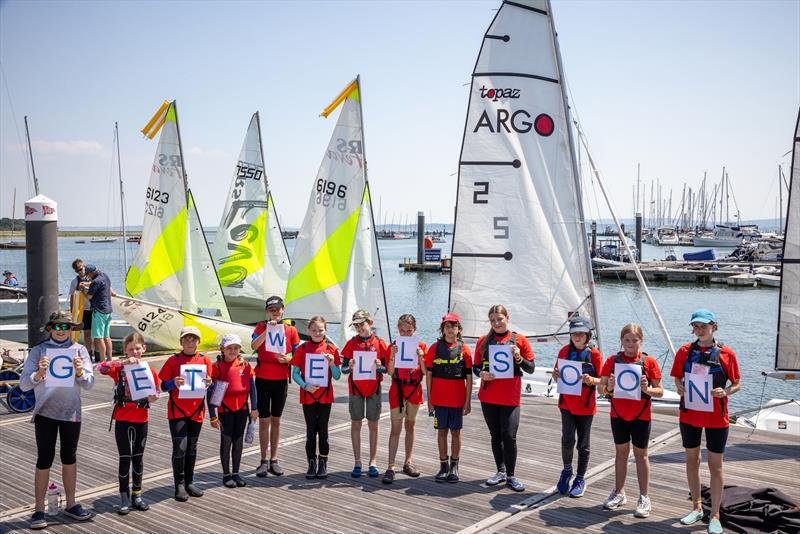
pixel 496 94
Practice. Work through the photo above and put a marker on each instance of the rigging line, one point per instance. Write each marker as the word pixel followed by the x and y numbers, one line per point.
pixel 16 124
pixel 760 407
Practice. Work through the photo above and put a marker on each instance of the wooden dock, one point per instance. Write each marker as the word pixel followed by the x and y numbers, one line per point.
pixel 343 504
pixel 681 271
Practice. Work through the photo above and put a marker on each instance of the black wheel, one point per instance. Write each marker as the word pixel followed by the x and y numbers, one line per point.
pixel 20 401
pixel 5 376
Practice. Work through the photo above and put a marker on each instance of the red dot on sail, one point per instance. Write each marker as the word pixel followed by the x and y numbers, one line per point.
pixel 490 93
pixel 544 125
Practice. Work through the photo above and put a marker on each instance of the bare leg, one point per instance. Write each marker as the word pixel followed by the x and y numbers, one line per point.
pixel 100 347
pixel 109 347
pixel 410 435
pixel 621 466
pixel 40 479
pixel 693 476
pixel 642 469
pixel 274 438
pixel 394 440
pixel 70 474
pixel 87 339
pixel 263 435
pixel 373 442
pixel 441 440
pixel 456 446
pixel 355 438
pixel 717 475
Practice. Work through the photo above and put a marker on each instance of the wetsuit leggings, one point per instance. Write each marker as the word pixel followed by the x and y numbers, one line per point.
pixel 570 425
pixel 47 431
pixel 232 439
pixel 503 422
pixel 130 438
pixel 317 416
pixel 184 433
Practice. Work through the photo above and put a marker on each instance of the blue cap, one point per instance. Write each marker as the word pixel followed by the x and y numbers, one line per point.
pixel 580 324
pixel 703 316
pixel 89 268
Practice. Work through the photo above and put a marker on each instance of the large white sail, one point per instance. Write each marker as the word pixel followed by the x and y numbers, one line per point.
pixel 519 234
pixel 173 265
pixel 787 356
pixel 249 252
pixel 335 267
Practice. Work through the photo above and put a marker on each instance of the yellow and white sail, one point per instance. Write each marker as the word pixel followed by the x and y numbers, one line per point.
pixel 336 267
pixel 248 251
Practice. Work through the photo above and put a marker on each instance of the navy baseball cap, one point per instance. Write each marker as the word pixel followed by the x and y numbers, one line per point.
pixel 275 300
pixel 580 324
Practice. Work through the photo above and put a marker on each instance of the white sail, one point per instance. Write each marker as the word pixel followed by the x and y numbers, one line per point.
pixel 173 266
pixel 519 234
pixel 787 356
pixel 335 268
pixel 161 325
pixel 249 252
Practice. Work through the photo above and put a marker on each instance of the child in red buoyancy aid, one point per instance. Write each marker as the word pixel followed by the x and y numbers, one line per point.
pixel 235 375
pixel 131 416
pixel 630 419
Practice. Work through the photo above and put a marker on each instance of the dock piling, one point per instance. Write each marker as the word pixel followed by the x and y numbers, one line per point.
pixel 41 259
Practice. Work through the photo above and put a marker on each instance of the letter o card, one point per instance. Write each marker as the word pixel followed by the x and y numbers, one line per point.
pixel 364 365
pixel 406 357
pixel 569 377
pixel 317 370
pixel 194 385
pixel 501 362
pixel 140 380
pixel 60 371
pixel 628 381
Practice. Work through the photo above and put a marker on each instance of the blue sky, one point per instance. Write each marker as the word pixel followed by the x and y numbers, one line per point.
pixel 680 87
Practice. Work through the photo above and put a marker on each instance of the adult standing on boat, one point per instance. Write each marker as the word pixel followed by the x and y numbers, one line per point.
pixel 705 356
pixel 500 397
pixel 10 280
pixel 98 291
pixel 272 384
pixel 58 410
pixel 79 267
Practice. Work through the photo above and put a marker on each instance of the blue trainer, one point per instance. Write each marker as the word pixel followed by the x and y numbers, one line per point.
pixel 563 481
pixel 356 472
pixel 578 487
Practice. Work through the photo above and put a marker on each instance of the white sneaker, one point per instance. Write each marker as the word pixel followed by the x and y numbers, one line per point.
pixel 615 500
pixel 496 479
pixel 642 507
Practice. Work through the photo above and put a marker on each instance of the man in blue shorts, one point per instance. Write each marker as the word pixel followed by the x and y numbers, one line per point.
pixel 98 291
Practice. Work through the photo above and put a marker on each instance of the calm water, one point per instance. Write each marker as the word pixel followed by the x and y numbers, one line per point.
pixel 747 316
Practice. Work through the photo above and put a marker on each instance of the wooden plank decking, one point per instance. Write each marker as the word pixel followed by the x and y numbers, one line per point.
pixel 343 504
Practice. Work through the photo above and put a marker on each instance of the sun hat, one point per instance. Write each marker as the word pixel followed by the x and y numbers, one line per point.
pixel 61 317
pixel 361 316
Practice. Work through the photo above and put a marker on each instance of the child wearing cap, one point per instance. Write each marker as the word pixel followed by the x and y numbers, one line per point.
pixel 365 394
pixel 185 414
pixel 577 411
pixel 448 379
pixel 228 395
pixel 57 412
pixel 131 417
pixel 501 397
pixel 705 356
pixel 405 398
pixel 272 383
pixel 316 400
pixel 630 419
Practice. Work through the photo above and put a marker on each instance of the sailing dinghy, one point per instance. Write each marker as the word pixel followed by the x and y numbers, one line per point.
pixel 172 278
pixel 336 266
pixel 520 235
pixel 249 253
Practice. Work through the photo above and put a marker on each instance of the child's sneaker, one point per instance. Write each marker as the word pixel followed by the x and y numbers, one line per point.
pixel 615 500
pixel 563 480
pixel 262 469
pixel 124 504
pixel 228 482
pixel 496 478
pixel 578 487
pixel 642 507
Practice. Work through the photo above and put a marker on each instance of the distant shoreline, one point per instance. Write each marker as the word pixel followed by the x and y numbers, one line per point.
pixel 73 233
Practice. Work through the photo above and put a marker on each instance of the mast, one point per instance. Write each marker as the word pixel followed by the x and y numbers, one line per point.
pixel 579 196
pixel 30 154
pixel 780 199
pixel 121 200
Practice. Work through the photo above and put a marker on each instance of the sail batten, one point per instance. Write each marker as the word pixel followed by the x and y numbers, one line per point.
pixel 519 233
pixel 787 354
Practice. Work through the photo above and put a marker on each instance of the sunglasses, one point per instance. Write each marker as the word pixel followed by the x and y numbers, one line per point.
pixel 62 326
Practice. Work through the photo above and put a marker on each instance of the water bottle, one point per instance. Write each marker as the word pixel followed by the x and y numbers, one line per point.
pixel 53 499
pixel 250 433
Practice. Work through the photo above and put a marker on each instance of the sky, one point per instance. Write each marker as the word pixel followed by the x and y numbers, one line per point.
pixel 679 87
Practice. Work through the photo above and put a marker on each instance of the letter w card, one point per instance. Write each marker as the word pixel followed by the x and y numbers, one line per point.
pixel 60 371
pixel 364 365
pixel 501 362
pixel 628 380
pixel 698 392
pixel 140 380
pixel 276 339
pixel 406 357
pixel 569 377
pixel 194 385
pixel 316 371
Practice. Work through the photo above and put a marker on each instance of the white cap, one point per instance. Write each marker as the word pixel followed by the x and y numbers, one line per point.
pixel 190 331
pixel 230 339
